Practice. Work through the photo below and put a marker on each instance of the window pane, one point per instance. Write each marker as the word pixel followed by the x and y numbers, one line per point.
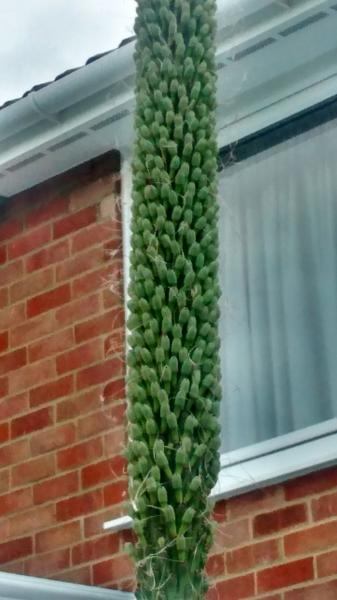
pixel 278 268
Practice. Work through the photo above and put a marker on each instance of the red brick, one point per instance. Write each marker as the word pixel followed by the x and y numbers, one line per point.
pixel 14 453
pixel 81 576
pixel 113 299
pixel 312 539
pixel 31 422
pixel 71 223
pixel 127 585
pixel 9 229
pixel 80 356
pixel 314 483
pixel 3 341
pixel 3 254
pixel 11 272
pixel 4 387
pixel 91 192
pixel 114 344
pixel 31 285
pixel 50 440
pixel 249 557
pixel 99 325
pixel 215 565
pixel 86 261
pixel 94 549
pixel 96 234
pixel 256 501
pixel 114 569
pixel 233 589
pixel 106 470
pixel 16 549
pixel 80 454
pixel 32 375
pixel 48 300
pixel 96 280
pixel 75 405
pixel 115 390
pixel 4 481
pixel 48 256
pixel 58 537
pixel 220 511
pixel 115 442
pixel 115 493
pixel 324 507
pixel 13 360
pixel 29 241
pixel 3 297
pixel 16 567
pixel 49 210
pixel 285 575
pixel 12 315
pixel 229 535
pixel 99 373
pixel 323 591
pixel 56 488
pixel 47 564
pixel 78 506
pixel 51 391
pixel 327 564
pixel 15 501
pixel 78 310
pixel 4 432
pixel 269 597
pixel 31 330
pixel 58 342
pixel 277 520
pixel 33 470
pixel 31 521
pixel 105 418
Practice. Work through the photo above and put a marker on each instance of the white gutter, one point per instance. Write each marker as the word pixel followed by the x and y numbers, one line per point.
pixel 21 587
pixel 48 102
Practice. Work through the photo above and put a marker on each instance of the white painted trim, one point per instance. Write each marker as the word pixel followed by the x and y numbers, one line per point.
pixel 22 587
pixel 118 524
pixel 282 464
pixel 287 463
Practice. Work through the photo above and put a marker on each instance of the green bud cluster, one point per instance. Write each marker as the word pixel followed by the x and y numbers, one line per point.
pixel 173 363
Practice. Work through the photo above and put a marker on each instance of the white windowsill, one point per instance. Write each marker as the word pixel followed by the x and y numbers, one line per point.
pixel 268 463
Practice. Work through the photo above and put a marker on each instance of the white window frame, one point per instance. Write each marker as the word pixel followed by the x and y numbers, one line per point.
pixel 313 448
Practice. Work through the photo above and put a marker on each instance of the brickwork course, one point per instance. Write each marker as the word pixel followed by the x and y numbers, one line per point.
pixel 62 415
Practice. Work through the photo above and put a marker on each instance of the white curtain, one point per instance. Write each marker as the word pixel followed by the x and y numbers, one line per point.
pixel 278 270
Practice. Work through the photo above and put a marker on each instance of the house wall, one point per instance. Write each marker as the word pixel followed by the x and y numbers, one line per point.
pixel 62 427
pixel 61 376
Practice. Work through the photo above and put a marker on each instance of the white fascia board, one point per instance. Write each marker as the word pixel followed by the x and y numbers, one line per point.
pixel 21 587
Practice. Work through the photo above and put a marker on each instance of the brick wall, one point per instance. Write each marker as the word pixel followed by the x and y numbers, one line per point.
pixel 61 376
pixel 62 426
pixel 279 543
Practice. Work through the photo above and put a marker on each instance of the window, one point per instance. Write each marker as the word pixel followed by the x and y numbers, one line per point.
pixel 278 271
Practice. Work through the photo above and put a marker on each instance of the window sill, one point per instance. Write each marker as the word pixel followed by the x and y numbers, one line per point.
pixel 268 463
